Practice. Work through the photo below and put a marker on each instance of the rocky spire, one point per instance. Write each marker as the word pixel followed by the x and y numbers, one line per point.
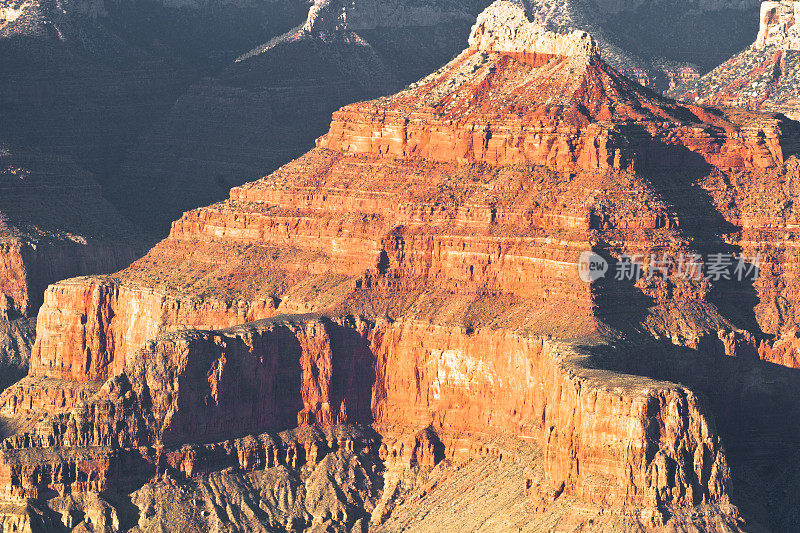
pixel 779 25
pixel 505 27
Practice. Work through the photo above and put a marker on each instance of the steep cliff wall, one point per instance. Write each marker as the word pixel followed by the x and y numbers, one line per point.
pixel 26 269
pixel 638 442
pixel 457 382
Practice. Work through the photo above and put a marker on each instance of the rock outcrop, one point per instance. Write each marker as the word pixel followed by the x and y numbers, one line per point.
pixel 778 25
pixel 416 279
pixel 599 438
pixel 764 76
pixel 658 44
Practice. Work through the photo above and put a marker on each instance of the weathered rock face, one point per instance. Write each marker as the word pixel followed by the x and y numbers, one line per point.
pixel 542 390
pixel 778 25
pixel 764 76
pixel 418 272
pixel 647 445
pixel 110 324
pixel 504 27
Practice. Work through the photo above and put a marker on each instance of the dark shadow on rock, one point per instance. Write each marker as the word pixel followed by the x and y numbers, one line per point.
pixel 16 340
pixel 619 303
pixel 674 172
pixel 353 374
pixel 753 405
pixel 790 140
pixel 287 395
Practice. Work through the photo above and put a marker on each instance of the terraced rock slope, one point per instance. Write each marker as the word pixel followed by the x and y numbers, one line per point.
pixel 392 331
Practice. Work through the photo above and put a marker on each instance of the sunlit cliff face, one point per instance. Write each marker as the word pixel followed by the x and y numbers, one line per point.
pixel 398 317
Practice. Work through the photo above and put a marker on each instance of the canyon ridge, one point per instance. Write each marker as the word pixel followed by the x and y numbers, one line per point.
pixel 395 331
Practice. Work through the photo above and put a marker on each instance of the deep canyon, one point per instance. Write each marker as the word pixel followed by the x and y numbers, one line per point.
pixel 390 331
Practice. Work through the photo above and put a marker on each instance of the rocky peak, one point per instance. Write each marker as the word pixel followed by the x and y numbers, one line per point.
pixel 764 76
pixel 505 27
pixel 778 25
pixel 329 16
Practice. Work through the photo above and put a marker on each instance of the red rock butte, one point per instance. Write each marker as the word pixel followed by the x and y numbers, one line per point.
pixel 417 272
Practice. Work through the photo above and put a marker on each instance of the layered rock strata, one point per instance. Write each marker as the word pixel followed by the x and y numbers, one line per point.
pixel 418 271
pixel 399 375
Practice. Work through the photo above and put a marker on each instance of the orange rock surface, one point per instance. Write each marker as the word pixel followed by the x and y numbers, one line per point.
pixel 596 433
pixel 417 272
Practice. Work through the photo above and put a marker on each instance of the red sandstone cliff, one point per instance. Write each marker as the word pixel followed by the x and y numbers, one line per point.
pixel 636 442
pixel 422 264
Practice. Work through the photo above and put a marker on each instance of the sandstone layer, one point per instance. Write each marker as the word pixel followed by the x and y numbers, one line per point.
pixel 402 377
pixel 414 281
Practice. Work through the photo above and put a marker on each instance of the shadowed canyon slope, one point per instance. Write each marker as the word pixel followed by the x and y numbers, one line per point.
pixel 150 96
pixel 54 224
pixel 391 333
pixel 266 108
pixel 269 105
